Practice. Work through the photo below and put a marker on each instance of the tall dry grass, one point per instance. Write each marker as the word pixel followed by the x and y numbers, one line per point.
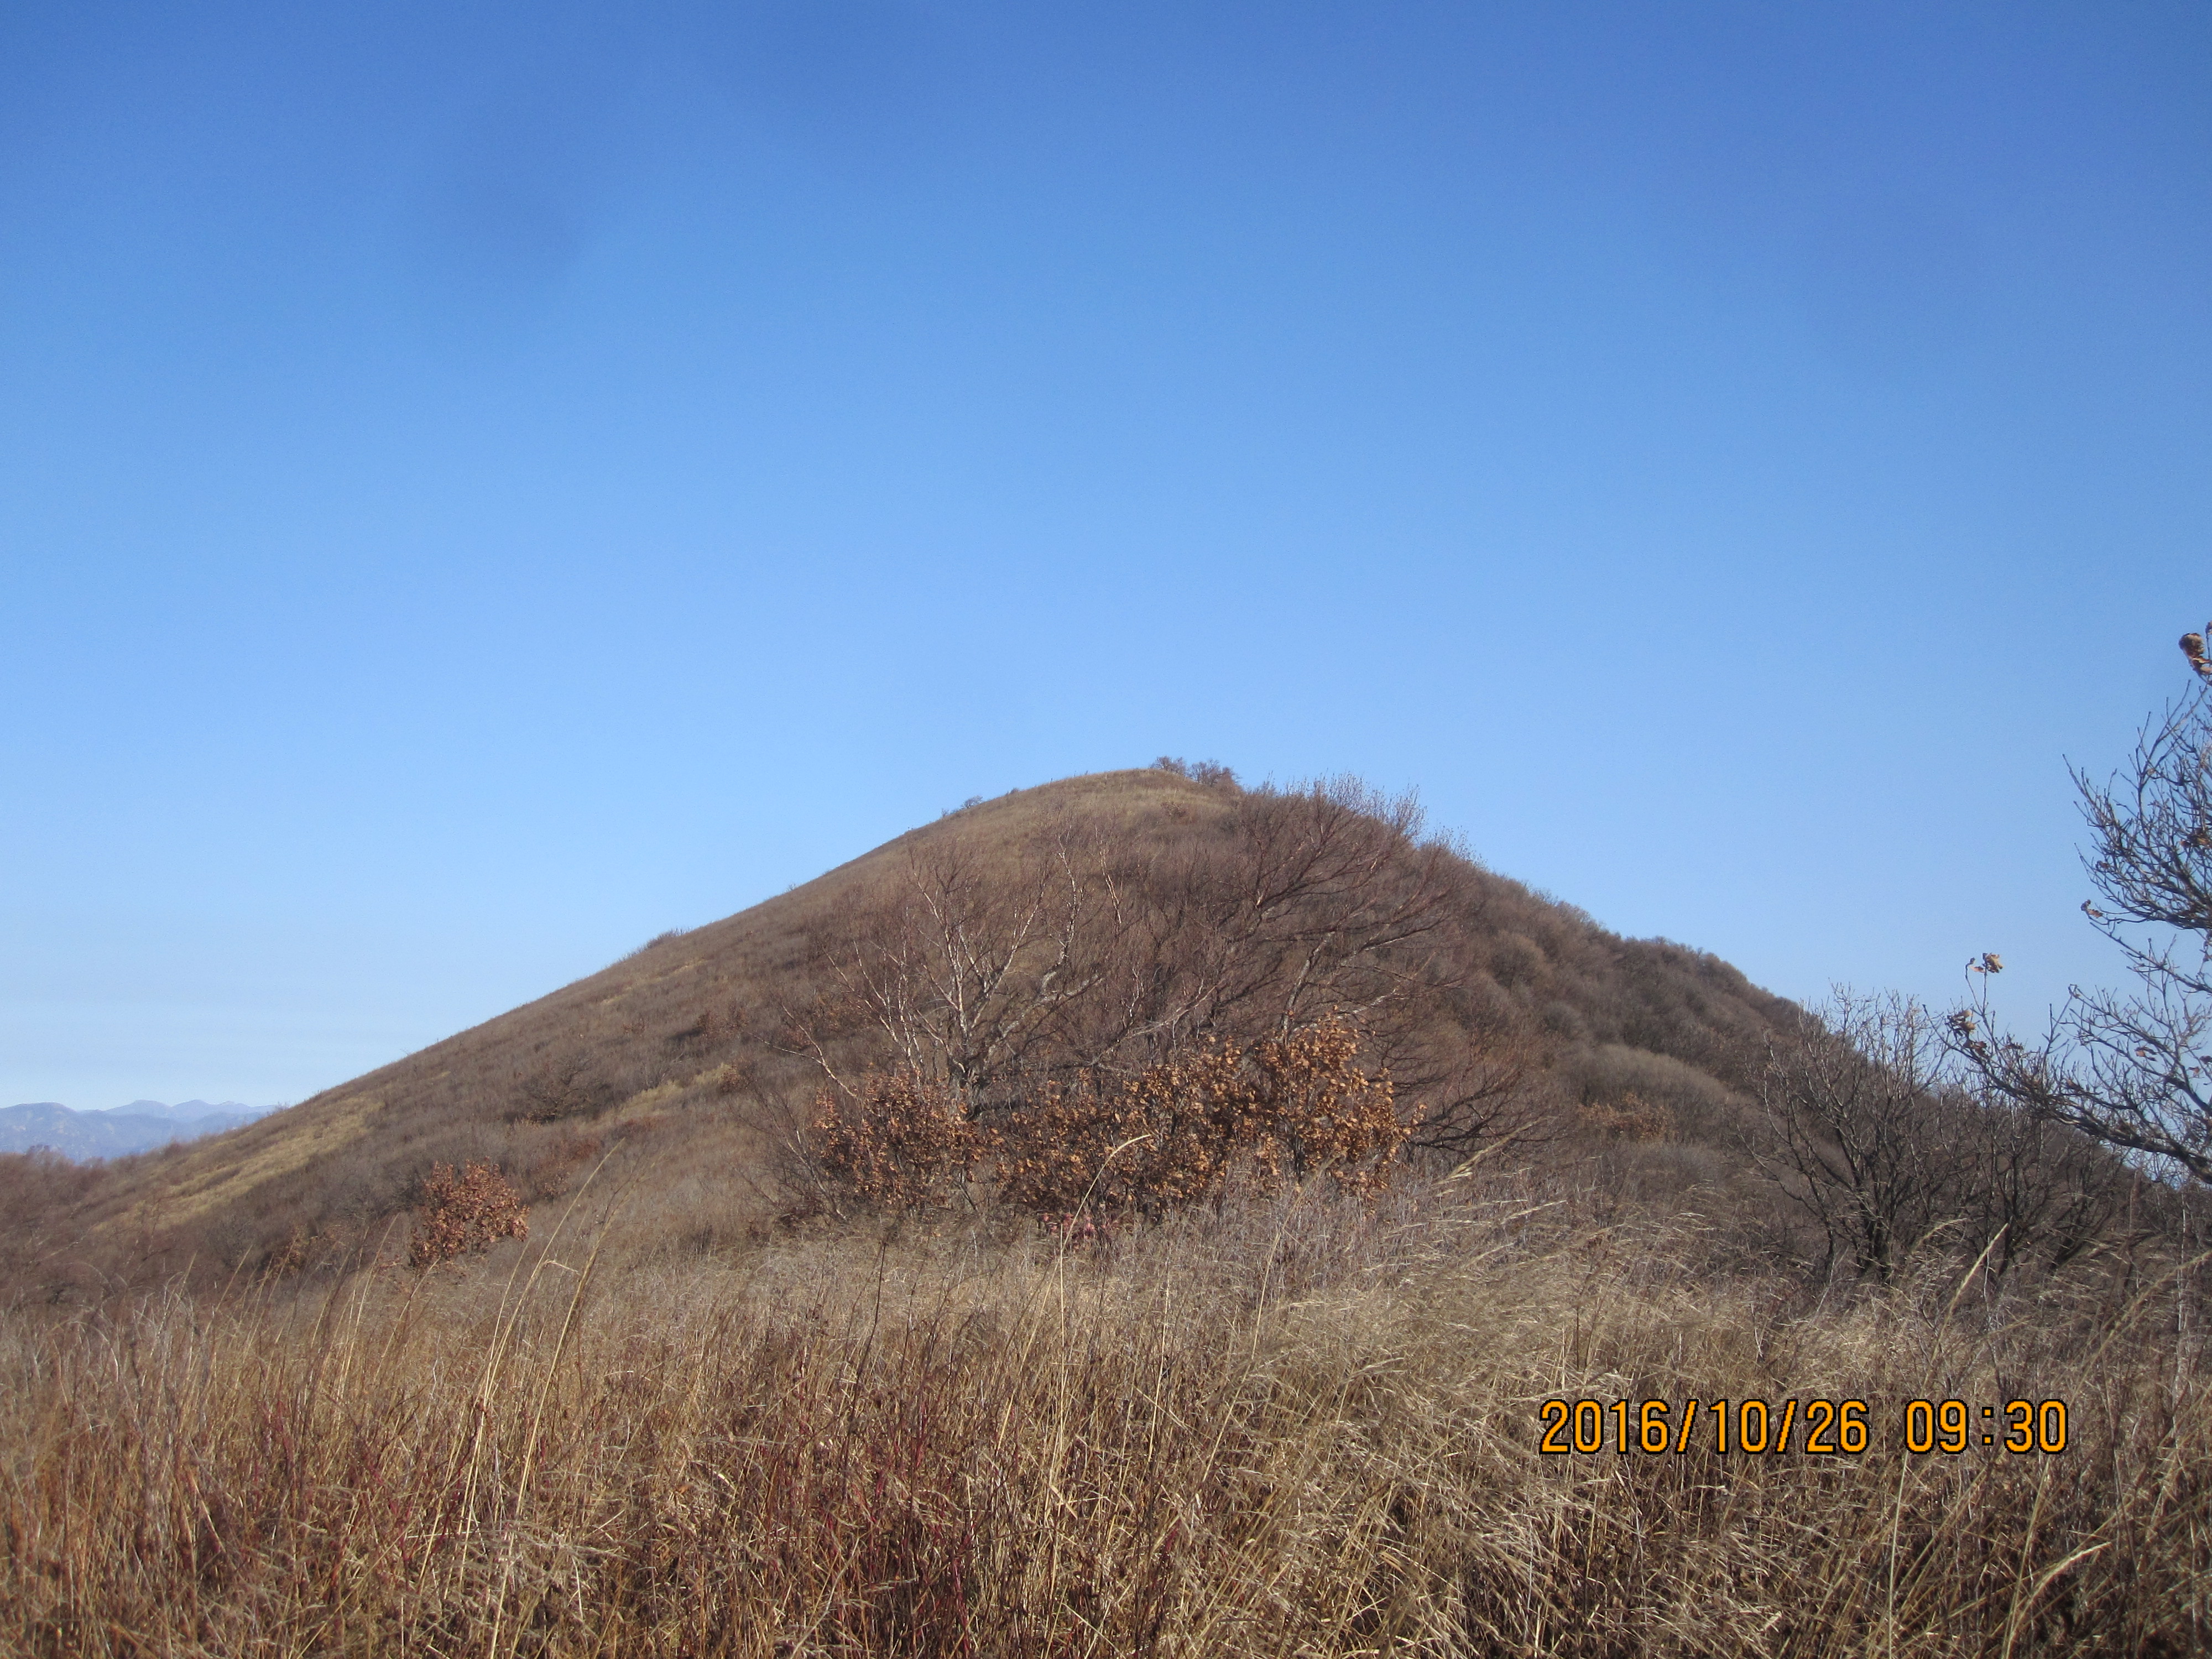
pixel 1304 1427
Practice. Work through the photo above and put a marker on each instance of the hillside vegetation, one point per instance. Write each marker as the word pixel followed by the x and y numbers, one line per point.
pixel 1174 909
pixel 1137 1215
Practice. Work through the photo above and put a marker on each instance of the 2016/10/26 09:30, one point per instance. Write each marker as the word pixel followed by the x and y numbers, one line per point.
pixel 1831 1427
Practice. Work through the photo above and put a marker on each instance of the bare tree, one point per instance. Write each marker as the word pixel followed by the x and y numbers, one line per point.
pixel 969 967
pixel 2031 1189
pixel 993 969
pixel 1002 972
pixel 1314 901
pixel 1479 1073
pixel 1850 1107
pixel 2131 1070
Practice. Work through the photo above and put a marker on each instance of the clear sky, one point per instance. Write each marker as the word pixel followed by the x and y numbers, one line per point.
pixel 482 484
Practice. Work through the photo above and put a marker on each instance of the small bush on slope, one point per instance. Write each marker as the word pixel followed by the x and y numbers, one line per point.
pixel 463 1212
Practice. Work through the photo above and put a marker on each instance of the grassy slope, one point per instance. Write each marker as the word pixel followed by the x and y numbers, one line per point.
pixel 678 1036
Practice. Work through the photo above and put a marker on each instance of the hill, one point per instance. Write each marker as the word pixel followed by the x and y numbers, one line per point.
pixel 1183 908
pixel 1536 1394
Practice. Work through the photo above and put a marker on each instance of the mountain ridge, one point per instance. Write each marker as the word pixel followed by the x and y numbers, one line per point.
pixel 117 1131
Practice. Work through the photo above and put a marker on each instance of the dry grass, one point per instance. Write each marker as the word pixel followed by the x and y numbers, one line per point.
pixel 1306 1426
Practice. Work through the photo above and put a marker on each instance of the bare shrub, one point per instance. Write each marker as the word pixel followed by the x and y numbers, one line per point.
pixel 464 1211
pixel 1849 1104
pixel 38 1191
pixel 1212 774
pixel 568 1084
pixel 964 971
pixel 2036 1192
pixel 551 1172
pixel 1876 1137
pixel 989 972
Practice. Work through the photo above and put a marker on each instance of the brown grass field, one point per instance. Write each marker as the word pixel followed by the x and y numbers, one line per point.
pixel 1297 1426
pixel 779 1365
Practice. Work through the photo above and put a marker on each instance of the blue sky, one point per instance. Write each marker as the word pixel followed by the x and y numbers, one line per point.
pixel 480 484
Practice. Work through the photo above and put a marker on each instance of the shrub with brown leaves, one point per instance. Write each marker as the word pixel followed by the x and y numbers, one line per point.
pixel 898 1141
pixel 464 1211
pixel 1286 1109
pixel 1283 1110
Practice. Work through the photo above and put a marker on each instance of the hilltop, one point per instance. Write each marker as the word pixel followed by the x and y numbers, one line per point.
pixel 1499 1011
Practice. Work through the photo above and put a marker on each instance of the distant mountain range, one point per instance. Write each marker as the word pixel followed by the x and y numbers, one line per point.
pixel 138 1128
